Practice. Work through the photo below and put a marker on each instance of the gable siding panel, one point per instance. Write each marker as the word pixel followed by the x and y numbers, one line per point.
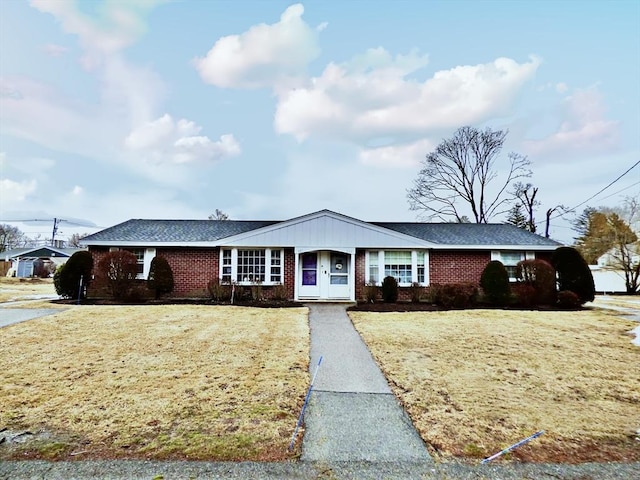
pixel 450 266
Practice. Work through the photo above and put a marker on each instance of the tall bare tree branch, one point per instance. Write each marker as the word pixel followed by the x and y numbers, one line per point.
pixel 461 174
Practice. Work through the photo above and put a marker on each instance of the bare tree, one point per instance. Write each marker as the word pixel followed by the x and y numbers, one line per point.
pixel 10 237
pixel 75 240
pixel 526 194
pixel 461 173
pixel 218 215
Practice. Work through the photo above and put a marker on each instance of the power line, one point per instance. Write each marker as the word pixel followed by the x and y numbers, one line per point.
pixel 603 189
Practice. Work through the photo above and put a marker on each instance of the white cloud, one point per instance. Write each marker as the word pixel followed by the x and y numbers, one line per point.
pixel 77 191
pixel 13 192
pixel 562 87
pixel 264 55
pixel 394 156
pixel 371 97
pixel 583 128
pixel 54 50
pixel 165 141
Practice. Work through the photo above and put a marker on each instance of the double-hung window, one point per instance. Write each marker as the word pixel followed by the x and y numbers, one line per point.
pixel 510 260
pixel 406 266
pixel 251 265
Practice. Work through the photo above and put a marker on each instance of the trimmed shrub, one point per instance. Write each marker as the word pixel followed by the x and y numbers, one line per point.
pixel 66 278
pixel 119 270
pixel 389 290
pixel 371 292
pixel 524 295
pixel 220 292
pixel 574 274
pixel 495 283
pixel 160 277
pixel 541 276
pixel 456 295
pixel 568 300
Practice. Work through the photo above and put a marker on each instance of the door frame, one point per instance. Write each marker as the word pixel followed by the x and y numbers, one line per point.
pixel 325 252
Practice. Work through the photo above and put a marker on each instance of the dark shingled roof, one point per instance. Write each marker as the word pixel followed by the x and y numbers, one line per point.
pixel 189 231
pixel 179 231
pixel 469 233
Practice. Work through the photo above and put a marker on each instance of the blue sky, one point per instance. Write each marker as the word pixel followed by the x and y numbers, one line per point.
pixel 111 110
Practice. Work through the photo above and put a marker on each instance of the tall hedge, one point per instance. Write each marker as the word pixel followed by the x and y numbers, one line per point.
pixel 160 276
pixel 574 274
pixel 389 289
pixel 66 279
pixel 495 283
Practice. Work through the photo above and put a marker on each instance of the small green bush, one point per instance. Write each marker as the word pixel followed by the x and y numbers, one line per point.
pixel 574 274
pixel 495 283
pixel 389 290
pixel 160 277
pixel 66 279
pixel 568 300
pixel 456 295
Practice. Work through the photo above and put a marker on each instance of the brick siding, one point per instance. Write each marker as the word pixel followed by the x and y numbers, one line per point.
pixel 455 266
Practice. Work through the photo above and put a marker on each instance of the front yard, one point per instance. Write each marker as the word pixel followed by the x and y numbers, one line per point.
pixel 477 381
pixel 197 382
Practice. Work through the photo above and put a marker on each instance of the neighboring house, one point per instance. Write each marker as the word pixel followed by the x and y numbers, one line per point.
pixel 320 256
pixel 608 276
pixel 23 260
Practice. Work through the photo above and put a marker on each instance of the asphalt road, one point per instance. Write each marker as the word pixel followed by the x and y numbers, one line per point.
pixel 9 316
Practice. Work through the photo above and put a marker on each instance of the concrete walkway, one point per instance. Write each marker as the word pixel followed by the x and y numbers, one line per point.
pixel 352 414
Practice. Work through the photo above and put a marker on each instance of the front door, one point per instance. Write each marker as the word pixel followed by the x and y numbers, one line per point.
pixel 324 275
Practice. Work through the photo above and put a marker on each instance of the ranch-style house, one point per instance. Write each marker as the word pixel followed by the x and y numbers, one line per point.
pixel 322 256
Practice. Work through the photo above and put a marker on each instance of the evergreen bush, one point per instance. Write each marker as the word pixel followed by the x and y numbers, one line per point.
pixel 389 290
pixel 574 274
pixel 456 295
pixel 160 277
pixel 66 278
pixel 540 275
pixel 495 283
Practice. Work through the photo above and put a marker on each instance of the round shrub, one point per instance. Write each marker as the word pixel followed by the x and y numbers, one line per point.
pixel 389 290
pixel 456 295
pixel 495 283
pixel 573 273
pixel 66 278
pixel 160 276
pixel 568 300
pixel 541 276
pixel 119 270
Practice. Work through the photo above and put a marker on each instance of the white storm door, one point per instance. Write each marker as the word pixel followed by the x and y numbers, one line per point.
pixel 335 275
pixel 309 275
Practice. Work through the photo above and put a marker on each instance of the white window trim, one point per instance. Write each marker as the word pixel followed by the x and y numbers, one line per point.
pixel 497 255
pixel 267 271
pixel 414 266
pixel 149 254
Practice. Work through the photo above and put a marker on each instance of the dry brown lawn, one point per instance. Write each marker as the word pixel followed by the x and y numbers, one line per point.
pixel 475 382
pixel 197 382
pixel 16 289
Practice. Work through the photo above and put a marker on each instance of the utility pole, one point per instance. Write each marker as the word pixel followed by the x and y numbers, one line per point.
pixel 56 222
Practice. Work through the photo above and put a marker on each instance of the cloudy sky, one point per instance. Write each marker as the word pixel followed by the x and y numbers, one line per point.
pixel 111 110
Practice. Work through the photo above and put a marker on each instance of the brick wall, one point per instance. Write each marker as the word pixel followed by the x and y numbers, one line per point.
pixel 192 268
pixel 454 266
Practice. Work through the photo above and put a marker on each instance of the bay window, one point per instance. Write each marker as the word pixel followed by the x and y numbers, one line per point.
pixel 406 266
pixel 251 265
